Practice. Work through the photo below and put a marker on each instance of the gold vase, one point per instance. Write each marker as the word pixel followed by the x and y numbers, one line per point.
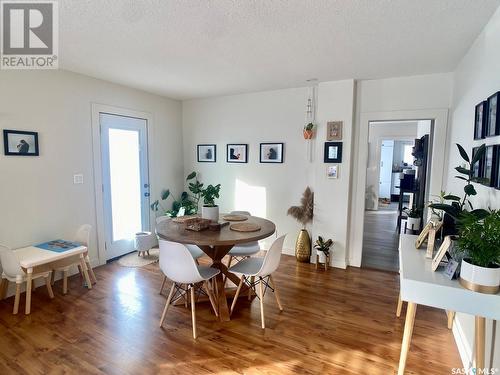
pixel 303 247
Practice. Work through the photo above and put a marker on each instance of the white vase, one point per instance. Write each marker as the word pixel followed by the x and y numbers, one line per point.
pixel 211 213
pixel 413 223
pixel 479 279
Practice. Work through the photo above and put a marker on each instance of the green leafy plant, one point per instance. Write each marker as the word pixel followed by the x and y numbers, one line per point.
pixel 458 205
pixel 479 239
pixel 322 245
pixel 209 194
pixel 414 212
pixel 309 126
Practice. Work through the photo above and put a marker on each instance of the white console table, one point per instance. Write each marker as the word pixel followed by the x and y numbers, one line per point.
pixel 421 286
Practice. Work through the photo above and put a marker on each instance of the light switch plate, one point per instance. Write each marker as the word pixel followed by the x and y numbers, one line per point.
pixel 78 179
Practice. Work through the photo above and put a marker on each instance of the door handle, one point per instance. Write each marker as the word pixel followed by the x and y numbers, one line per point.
pixel 146 194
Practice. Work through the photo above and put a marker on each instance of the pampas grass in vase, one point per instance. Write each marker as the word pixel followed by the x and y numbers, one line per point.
pixel 304 215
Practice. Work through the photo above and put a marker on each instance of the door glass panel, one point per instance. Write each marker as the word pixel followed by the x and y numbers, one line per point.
pixel 125 181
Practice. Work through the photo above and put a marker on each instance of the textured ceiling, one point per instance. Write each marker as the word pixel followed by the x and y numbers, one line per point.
pixel 198 48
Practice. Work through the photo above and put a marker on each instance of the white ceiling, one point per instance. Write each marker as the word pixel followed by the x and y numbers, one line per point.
pixel 198 48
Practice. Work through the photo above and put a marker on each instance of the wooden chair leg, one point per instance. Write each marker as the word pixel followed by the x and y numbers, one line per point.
pixel 240 284
pixel 53 277
pixel 261 297
pixel 29 285
pixel 451 316
pixel 276 294
pixel 3 288
pixel 17 298
pixel 167 304
pixel 400 306
pixel 85 273
pixel 163 283
pixel 193 311
pixel 210 297
pixel 65 282
pixel 252 280
pixel 49 287
pixel 91 271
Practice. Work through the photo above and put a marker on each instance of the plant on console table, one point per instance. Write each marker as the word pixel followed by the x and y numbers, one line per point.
pixel 414 215
pixel 479 241
pixel 323 248
pixel 210 210
pixel 304 215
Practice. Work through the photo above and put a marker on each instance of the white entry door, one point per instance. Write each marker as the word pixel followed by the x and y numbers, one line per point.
pixel 125 179
pixel 385 179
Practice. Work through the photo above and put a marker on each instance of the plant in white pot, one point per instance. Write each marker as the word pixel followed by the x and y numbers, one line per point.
pixel 480 242
pixel 210 210
pixel 414 216
pixel 323 251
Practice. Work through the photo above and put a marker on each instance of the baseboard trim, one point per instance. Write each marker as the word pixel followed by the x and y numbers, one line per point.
pixel 464 347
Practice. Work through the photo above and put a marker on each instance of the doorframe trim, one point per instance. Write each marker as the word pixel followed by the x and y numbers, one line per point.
pixel 96 109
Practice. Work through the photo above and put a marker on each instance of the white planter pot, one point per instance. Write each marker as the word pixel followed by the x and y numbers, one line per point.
pixel 479 279
pixel 321 256
pixel 211 213
pixel 413 223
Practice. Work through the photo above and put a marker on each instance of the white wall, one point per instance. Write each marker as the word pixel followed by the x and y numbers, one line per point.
pixel 476 78
pixel 270 189
pixel 38 199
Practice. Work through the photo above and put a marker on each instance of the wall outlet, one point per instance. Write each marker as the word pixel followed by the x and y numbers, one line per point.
pixel 78 179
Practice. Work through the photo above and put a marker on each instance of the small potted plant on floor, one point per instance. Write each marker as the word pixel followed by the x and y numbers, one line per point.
pixel 414 216
pixel 479 240
pixel 323 251
pixel 210 210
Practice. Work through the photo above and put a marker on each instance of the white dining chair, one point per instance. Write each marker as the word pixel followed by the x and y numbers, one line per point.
pixel 257 271
pixel 194 250
pixel 82 236
pixel 12 272
pixel 179 266
pixel 244 250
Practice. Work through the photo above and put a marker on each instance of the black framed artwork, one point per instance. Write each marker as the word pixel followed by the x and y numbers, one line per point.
pixel 333 152
pixel 496 182
pixel 237 153
pixel 20 143
pixel 271 152
pixel 493 127
pixel 481 120
pixel 478 168
pixel 207 153
pixel 489 169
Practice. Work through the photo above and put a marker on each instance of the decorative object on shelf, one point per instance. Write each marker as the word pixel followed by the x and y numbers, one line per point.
pixel 245 227
pixel 431 238
pixel 234 217
pixel 207 153
pixel 187 204
pixel 210 210
pixel 20 143
pixel 304 215
pixel 423 235
pixel 323 251
pixel 332 171
pixel 414 216
pixel 308 131
pixel 333 152
pixel 478 239
pixel 334 130
pixel 443 249
pixel 454 210
pixel 271 152
pixel 237 153
pixel 481 120
pixel 493 127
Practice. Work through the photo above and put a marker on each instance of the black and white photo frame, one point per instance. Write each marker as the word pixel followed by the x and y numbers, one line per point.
pixel 333 152
pixel 207 153
pixel 237 153
pixel 481 120
pixel 493 120
pixel 271 152
pixel 20 143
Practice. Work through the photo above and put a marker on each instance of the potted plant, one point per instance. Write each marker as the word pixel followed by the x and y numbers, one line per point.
pixel 479 241
pixel 308 131
pixel 304 215
pixel 414 216
pixel 210 210
pixel 323 251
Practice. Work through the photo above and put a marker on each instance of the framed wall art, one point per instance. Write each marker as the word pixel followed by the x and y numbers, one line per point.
pixel 207 153
pixel 334 131
pixel 481 120
pixel 20 143
pixel 478 168
pixel 493 127
pixel 489 170
pixel 333 152
pixel 237 153
pixel 332 171
pixel 271 152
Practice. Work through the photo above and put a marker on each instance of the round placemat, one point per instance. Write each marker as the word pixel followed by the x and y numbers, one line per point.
pixel 245 227
pixel 235 217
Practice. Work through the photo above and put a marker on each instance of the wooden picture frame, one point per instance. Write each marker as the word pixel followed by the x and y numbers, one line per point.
pixel 237 153
pixel 445 246
pixel 333 152
pixel 481 120
pixel 207 153
pixel 20 143
pixel 431 238
pixel 423 235
pixel 271 152
pixel 334 130
pixel 493 127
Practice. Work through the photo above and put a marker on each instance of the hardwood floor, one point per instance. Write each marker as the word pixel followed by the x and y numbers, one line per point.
pixel 380 240
pixel 334 322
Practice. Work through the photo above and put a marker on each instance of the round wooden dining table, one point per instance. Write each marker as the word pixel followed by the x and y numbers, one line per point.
pixel 216 244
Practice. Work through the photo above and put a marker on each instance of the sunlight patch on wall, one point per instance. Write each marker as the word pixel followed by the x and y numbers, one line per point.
pixel 250 198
